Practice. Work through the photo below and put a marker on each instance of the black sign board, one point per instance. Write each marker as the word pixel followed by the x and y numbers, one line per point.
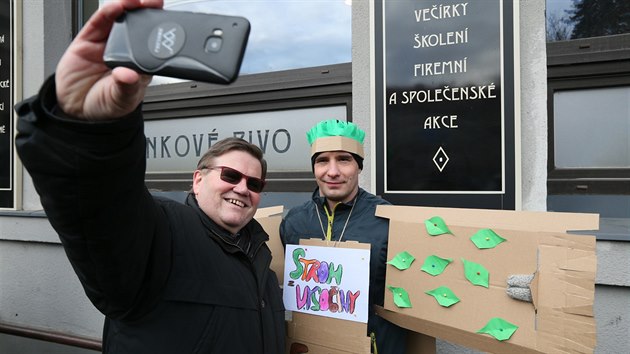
pixel 7 196
pixel 445 103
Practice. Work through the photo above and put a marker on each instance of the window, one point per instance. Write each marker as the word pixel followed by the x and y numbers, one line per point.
pixel 589 119
pixel 589 139
pixel 599 115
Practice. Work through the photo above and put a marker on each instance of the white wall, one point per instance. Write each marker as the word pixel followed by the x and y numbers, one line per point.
pixel 37 285
pixel 39 288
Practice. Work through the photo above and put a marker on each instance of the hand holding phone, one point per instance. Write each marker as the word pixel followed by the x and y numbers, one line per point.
pixel 185 45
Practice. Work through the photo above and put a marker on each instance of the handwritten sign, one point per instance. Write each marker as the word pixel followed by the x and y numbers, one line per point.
pixel 327 281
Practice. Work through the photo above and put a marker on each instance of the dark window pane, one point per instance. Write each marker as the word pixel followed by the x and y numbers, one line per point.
pixel 575 19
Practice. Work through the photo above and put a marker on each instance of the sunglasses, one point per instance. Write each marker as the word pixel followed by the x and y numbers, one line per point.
pixel 233 176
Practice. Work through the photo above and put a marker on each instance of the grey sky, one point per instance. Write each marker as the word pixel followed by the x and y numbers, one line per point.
pixel 557 7
pixel 286 34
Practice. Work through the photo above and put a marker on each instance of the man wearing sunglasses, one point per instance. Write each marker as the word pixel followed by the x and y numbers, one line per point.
pixel 342 211
pixel 169 277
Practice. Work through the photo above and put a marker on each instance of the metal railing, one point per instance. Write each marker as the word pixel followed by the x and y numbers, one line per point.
pixel 51 336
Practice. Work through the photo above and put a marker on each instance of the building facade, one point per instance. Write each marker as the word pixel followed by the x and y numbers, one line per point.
pixel 40 295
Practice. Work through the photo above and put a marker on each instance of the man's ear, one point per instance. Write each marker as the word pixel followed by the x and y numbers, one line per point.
pixel 196 183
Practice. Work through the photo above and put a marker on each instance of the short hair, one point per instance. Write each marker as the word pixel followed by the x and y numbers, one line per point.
pixel 232 144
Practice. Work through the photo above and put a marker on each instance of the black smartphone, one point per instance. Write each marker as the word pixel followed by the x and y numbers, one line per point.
pixel 185 45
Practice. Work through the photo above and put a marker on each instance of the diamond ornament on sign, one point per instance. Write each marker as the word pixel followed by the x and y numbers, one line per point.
pixel 440 159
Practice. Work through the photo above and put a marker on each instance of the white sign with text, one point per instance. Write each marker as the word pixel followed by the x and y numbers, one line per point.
pixel 327 281
pixel 175 145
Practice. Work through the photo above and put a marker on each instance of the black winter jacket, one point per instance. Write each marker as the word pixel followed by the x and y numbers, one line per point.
pixel 302 222
pixel 165 276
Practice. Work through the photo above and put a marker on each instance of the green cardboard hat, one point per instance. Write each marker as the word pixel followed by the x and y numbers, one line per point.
pixel 336 135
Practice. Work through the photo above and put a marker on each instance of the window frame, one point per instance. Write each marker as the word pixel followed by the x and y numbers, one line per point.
pixel 81 12
pixel 329 85
pixel 587 63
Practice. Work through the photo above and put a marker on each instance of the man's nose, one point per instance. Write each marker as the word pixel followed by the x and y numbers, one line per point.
pixel 333 169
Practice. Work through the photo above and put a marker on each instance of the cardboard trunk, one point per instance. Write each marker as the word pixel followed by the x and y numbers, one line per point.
pixel 560 318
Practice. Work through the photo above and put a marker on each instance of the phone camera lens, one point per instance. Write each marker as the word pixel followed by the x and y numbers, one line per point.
pixel 213 44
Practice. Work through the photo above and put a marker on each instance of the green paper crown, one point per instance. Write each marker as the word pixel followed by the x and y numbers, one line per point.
pixel 334 127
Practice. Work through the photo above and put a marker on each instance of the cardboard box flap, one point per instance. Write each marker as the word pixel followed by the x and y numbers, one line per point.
pixel 567 290
pixel 344 244
pixel 533 288
pixel 333 334
pixel 305 346
pixel 268 211
pixel 270 219
pixel 502 219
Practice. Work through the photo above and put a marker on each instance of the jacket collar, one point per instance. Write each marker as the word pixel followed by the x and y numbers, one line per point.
pixel 321 201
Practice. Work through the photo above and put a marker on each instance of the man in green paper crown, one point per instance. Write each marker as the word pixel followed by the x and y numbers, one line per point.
pixel 342 211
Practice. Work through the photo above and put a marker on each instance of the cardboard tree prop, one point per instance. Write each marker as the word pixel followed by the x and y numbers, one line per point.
pixel 475 271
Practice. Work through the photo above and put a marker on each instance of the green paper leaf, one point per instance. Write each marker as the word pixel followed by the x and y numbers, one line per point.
pixel 436 226
pixel 486 238
pixel 499 328
pixel 444 296
pixel 476 273
pixel 402 260
pixel 435 265
pixel 401 297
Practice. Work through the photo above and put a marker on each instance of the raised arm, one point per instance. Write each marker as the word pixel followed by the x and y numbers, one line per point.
pixel 86 87
pixel 90 175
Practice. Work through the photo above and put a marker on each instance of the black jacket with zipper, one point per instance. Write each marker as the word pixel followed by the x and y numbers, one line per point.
pixel 354 221
pixel 166 277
